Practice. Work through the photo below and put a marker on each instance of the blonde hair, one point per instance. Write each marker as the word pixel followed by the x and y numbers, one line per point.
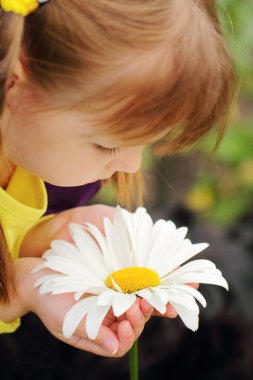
pixel 155 71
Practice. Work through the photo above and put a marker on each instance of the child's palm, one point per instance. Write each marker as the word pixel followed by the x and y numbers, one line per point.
pixel 121 332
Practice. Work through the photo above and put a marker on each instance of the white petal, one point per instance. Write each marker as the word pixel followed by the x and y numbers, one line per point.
pixel 177 239
pixel 122 302
pixel 79 294
pixel 76 314
pixel 48 253
pixel 64 249
pixel 184 299
pixel 197 265
pixel 94 320
pixel 189 318
pixel 203 271
pixel 84 241
pixel 203 278
pixel 162 293
pixel 66 266
pixel 91 254
pixel 38 268
pixel 155 300
pixel 162 230
pixel 44 288
pixel 159 237
pixel 188 289
pixel 157 228
pixel 121 232
pixel 119 236
pixel 118 248
pixel 165 247
pixel 105 298
pixel 116 286
pixel 141 237
pixel 144 293
pixel 62 290
pixel 89 279
pixel 89 290
pixel 45 278
pixel 47 284
pixel 100 238
pixel 183 255
pixel 67 285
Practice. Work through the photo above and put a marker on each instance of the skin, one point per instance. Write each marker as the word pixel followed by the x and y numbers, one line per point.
pixel 59 146
pixel 116 335
pixel 62 150
pixel 121 332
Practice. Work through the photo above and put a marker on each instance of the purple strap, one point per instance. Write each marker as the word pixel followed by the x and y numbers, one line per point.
pixel 63 198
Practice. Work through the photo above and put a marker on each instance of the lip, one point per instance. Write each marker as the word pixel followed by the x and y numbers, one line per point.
pixel 105 178
pixel 99 179
pixel 102 179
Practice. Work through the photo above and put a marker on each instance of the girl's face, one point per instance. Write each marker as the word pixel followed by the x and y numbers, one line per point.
pixel 60 147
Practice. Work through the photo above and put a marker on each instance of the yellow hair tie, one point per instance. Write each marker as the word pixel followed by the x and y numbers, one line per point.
pixel 20 7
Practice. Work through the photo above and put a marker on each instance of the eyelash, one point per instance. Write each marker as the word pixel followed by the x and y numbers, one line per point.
pixel 110 151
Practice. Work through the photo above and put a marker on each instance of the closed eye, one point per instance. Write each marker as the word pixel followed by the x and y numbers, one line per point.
pixel 110 151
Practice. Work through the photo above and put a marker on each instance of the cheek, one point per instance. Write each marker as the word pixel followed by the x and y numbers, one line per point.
pixel 75 171
pixel 17 140
pixel 14 147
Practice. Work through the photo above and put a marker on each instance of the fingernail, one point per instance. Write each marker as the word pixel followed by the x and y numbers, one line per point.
pixel 149 313
pixel 109 346
pixel 128 328
pixel 137 312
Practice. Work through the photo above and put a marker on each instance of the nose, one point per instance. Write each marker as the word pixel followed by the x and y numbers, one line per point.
pixel 128 160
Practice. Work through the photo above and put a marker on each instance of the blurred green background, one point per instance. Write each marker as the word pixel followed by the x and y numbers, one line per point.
pixel 222 190
pixel 218 187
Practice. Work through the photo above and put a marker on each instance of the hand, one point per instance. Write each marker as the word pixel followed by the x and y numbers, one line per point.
pixel 116 335
pixel 38 239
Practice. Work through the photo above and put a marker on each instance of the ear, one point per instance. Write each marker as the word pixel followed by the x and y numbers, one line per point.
pixel 18 75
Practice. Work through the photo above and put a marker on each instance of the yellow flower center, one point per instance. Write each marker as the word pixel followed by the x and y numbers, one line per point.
pixel 132 279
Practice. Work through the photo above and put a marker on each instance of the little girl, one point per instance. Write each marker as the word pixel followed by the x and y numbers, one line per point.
pixel 84 85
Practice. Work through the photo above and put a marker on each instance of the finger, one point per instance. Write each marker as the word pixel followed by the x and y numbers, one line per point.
pixel 106 343
pixel 170 312
pixel 126 337
pixel 135 316
pixel 94 214
pixel 193 285
pixel 147 309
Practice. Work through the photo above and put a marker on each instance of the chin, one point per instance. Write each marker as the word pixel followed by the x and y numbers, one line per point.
pixel 68 183
pixel 105 178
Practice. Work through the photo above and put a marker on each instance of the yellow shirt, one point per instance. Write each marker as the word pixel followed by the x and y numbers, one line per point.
pixel 22 204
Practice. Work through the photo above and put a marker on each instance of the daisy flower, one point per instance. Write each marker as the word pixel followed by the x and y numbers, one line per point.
pixel 134 257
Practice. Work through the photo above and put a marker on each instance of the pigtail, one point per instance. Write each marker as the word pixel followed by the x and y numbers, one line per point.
pixel 129 189
pixel 11 29
pixel 7 273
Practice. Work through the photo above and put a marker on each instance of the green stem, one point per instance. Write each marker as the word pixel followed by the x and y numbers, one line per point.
pixel 134 362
